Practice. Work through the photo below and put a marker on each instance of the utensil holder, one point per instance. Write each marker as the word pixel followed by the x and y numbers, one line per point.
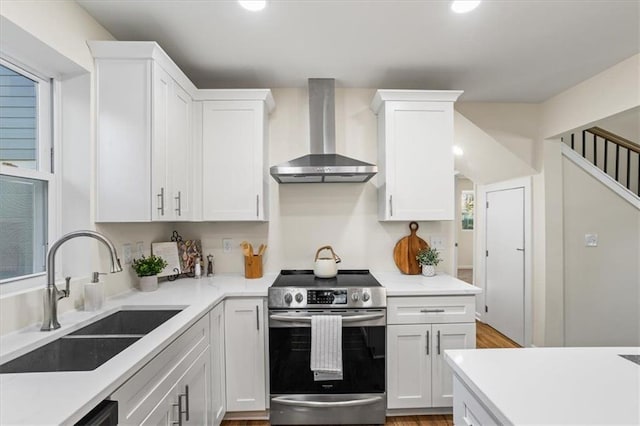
pixel 253 266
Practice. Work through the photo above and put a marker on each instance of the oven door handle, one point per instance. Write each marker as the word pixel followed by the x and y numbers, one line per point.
pixel 315 404
pixel 345 318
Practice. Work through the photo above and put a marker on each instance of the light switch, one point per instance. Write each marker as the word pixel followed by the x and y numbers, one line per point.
pixel 591 240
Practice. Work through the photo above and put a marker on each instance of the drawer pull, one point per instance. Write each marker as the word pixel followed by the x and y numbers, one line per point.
pixel 431 311
pixel 428 342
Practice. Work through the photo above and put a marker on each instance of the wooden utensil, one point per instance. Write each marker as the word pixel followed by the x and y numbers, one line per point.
pixel 262 249
pixel 405 251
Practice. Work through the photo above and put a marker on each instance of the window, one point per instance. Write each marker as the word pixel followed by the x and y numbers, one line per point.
pixel 25 171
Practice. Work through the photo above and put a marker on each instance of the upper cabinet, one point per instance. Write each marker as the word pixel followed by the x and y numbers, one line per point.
pixel 234 134
pixel 144 134
pixel 415 157
pixel 167 151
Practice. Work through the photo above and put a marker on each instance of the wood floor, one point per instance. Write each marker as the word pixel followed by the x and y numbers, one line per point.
pixel 486 337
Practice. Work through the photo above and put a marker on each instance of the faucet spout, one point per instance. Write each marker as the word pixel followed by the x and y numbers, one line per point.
pixel 51 293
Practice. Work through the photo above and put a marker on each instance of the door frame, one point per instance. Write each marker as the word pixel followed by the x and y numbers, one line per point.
pixel 479 262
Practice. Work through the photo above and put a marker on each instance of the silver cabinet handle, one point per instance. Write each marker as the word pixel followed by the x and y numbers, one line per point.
pixel 161 201
pixel 257 205
pixel 257 318
pixel 428 339
pixel 431 311
pixel 186 405
pixel 390 205
pixel 352 318
pixel 179 202
pixel 350 403
pixel 520 249
pixel 438 342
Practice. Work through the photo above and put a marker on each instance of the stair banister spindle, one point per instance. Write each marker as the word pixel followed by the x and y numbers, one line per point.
pixel 628 168
pixel 617 161
pixel 572 141
pixel 584 143
pixel 606 151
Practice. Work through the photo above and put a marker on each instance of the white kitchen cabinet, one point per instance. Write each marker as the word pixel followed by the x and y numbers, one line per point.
pixel 146 398
pixel 186 402
pixel 234 155
pixel 144 134
pixel 245 333
pixel 417 374
pixel 218 381
pixel 415 158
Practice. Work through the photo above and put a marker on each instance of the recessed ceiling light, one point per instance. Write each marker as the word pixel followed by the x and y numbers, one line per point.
pixel 253 5
pixel 464 6
pixel 457 151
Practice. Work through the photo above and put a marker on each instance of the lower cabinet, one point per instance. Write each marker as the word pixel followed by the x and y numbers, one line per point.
pixel 245 357
pixel 467 409
pixel 174 387
pixel 417 373
pixel 187 403
pixel 218 381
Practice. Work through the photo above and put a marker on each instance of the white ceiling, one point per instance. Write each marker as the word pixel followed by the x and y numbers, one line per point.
pixel 509 50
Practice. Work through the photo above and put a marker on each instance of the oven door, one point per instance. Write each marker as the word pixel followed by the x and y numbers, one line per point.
pixel 363 353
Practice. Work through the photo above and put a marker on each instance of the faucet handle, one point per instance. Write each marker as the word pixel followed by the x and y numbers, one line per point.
pixel 67 291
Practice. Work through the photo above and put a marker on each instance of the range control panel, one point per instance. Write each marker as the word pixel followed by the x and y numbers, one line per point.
pixel 292 297
pixel 326 297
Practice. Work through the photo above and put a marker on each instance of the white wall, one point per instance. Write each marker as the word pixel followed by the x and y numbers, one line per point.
pixel 602 284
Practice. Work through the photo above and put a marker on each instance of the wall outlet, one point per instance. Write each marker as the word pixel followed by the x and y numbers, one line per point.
pixel 227 245
pixel 436 242
pixel 127 254
pixel 591 240
pixel 139 249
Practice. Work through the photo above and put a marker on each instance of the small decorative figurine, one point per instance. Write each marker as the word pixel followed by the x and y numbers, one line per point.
pixel 210 265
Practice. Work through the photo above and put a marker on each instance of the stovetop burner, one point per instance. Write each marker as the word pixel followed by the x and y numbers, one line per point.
pixel 304 278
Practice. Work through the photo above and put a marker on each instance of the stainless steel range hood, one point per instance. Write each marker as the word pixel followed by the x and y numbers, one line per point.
pixel 323 165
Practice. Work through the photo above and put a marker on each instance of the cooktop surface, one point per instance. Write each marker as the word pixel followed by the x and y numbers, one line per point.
pixel 304 278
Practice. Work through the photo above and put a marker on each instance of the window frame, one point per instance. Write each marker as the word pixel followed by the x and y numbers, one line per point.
pixel 47 145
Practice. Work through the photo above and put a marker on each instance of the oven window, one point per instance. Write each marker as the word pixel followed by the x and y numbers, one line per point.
pixel 363 362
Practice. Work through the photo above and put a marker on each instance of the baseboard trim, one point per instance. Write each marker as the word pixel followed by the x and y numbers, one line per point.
pixel 246 415
pixel 418 411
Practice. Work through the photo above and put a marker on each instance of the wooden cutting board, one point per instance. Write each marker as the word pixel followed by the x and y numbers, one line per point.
pixel 405 251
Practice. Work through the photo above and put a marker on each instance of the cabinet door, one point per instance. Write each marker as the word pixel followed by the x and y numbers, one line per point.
pixel 245 355
pixel 233 134
pixel 162 203
pixel 218 382
pixel 448 336
pixel 123 163
pixel 419 161
pixel 195 391
pixel 409 354
pixel 180 162
pixel 165 413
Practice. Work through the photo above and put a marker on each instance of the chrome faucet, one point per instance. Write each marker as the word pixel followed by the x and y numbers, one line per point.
pixel 51 292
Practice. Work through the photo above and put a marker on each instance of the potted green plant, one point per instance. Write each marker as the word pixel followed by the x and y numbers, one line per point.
pixel 147 269
pixel 428 258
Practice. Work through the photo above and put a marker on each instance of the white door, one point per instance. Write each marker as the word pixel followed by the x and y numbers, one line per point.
pixel 505 262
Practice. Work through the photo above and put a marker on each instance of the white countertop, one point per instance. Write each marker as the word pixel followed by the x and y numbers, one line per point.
pixel 398 284
pixel 64 397
pixel 558 386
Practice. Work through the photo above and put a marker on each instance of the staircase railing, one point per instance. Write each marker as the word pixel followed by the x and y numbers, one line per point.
pixel 595 145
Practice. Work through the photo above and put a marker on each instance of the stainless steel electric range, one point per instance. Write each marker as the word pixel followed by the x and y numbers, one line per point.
pixel 296 397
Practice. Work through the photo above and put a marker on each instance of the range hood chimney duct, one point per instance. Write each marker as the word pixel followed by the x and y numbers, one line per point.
pixel 323 165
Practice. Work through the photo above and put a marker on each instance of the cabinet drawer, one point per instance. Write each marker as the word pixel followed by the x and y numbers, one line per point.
pixel 430 309
pixel 141 393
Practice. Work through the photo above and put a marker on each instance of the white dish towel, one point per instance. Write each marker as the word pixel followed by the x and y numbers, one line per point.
pixel 326 347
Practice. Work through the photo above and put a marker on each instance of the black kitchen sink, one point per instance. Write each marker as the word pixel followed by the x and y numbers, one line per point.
pixel 91 346
pixel 127 323
pixel 69 354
